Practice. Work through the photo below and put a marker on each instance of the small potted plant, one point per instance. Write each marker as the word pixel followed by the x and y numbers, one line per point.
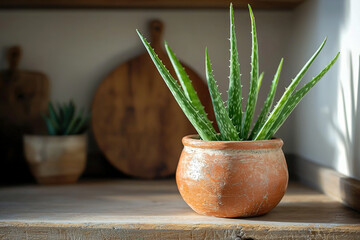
pixel 60 157
pixel 240 171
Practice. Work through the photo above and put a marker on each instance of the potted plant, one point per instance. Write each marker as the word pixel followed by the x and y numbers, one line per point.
pixel 60 157
pixel 238 172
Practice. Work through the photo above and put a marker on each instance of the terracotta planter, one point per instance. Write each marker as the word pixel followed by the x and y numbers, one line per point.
pixel 232 179
pixel 56 159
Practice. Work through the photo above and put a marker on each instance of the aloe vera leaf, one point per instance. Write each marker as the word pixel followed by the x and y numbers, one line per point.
pixel 71 125
pixel 64 113
pixel 253 93
pixel 75 120
pixel 72 108
pixel 61 112
pixel 285 97
pixel 261 77
pixel 185 81
pixel 226 127
pixel 69 114
pixel 52 113
pixel 296 98
pixel 234 93
pixel 49 125
pixel 81 124
pixel 268 102
pixel 201 124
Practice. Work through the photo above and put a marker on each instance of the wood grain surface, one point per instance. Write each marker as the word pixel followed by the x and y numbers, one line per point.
pixel 154 210
pixel 24 95
pixel 334 184
pixel 136 121
pixel 262 4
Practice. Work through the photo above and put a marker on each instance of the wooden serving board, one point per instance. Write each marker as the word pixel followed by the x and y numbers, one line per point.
pixel 136 121
pixel 24 95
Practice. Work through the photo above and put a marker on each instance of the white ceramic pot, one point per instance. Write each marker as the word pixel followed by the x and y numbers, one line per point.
pixel 56 159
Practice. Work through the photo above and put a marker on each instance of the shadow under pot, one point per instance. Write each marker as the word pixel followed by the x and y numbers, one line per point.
pixel 56 159
pixel 232 178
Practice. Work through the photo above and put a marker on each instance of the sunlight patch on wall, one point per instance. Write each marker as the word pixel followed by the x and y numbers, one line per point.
pixel 348 95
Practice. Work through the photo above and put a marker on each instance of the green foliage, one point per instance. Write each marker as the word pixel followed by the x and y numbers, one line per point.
pixel 235 98
pixel 64 120
pixel 233 123
pixel 200 121
pixel 185 82
pixel 276 112
pixel 254 74
pixel 295 99
pixel 227 129
pixel 268 103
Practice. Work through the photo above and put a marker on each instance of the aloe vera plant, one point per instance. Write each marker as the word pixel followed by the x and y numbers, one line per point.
pixel 64 120
pixel 234 123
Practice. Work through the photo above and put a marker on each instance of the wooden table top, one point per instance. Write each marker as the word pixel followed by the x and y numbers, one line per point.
pixel 124 209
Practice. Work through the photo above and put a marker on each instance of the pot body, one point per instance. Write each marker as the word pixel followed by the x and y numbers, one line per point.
pixel 232 179
pixel 56 159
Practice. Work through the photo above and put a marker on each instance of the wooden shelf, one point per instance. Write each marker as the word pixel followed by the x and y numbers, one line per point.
pixel 155 210
pixel 334 184
pixel 257 4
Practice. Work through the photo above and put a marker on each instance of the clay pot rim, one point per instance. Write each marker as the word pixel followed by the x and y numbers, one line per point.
pixel 195 142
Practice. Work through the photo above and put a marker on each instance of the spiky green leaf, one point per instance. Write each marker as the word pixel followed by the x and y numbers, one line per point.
pixel 60 111
pixel 226 127
pixel 202 125
pixel 69 110
pixel 296 98
pixel 285 97
pixel 49 124
pixel 81 125
pixel 71 125
pixel 234 93
pixel 253 93
pixel 52 113
pixel 268 102
pixel 261 77
pixel 185 81
pixel 58 122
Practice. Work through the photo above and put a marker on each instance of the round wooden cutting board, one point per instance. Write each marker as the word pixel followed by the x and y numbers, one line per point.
pixel 136 121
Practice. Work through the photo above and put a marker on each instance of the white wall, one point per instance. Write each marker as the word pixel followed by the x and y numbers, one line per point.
pixel 324 131
pixel 78 48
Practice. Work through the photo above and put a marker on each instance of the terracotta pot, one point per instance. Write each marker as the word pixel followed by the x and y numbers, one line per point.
pixel 232 178
pixel 56 159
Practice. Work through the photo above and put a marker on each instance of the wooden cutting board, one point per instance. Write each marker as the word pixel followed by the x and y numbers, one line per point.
pixel 136 121
pixel 24 95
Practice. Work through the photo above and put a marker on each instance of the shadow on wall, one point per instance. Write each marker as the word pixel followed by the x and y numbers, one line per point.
pixel 309 30
pixel 345 122
pixel 326 123
pixel 349 137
